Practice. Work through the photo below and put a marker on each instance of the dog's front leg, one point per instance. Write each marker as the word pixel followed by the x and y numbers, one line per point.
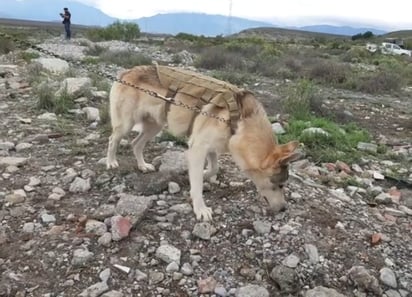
pixel 212 166
pixel 196 159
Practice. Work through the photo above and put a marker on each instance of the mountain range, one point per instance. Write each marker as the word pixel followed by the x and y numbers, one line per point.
pixel 169 23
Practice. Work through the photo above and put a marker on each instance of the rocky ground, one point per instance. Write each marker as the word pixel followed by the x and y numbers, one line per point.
pixel 68 227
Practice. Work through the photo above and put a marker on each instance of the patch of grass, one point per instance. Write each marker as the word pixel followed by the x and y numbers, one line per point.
pixel 338 144
pixel 28 56
pixel 125 31
pixel 234 77
pixel 94 50
pixel 6 46
pixel 380 82
pixel 125 58
pixel 48 100
pixel 216 58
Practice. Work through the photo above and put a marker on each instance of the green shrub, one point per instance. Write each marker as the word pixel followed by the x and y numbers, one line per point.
pixel 28 56
pixel 125 31
pixel 300 100
pixel 48 100
pixel 328 72
pixel 6 46
pixel 380 82
pixel 125 58
pixel 216 58
pixel 234 77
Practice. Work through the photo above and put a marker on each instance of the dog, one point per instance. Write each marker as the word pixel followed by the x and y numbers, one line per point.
pixel 252 144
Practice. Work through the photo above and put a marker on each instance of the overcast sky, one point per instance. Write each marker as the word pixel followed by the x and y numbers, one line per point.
pixel 394 14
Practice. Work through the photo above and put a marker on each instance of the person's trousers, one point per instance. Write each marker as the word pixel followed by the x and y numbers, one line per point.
pixel 67 29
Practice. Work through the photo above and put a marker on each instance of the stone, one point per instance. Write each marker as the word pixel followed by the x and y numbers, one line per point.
pixel 291 261
pixel 392 293
pixel 206 285
pixel 95 290
pixel 285 278
pixel 172 267
pixel 204 230
pixel 75 86
pixel 186 269
pixel 95 227
pixel 368 147
pixel 278 129
pixel 252 291
pixel 105 275
pixel 81 257
pixel 122 268
pixel 139 275
pixel 53 64
pixel 173 188
pixel 80 185
pixel 362 279
pixel 6 146
pixel 314 130
pixel 113 293
pixel 388 278
pixel 183 208
pixel 23 146
pixel 383 198
pixel 220 291
pixel 48 218
pixel 262 227
pixel 120 227
pixel 14 199
pixel 13 161
pixel 173 161
pixel 312 253
pixel 48 116
pixel 323 292
pixel 168 253
pixel 92 114
pixel 105 239
pixel 156 277
pixel 134 207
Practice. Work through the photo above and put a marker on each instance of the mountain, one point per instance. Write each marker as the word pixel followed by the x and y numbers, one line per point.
pixel 340 30
pixel 169 23
pixel 48 10
pixel 196 23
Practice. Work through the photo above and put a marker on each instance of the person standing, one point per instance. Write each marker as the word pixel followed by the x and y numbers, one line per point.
pixel 66 15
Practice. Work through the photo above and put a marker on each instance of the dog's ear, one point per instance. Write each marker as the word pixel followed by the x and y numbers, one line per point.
pixel 288 153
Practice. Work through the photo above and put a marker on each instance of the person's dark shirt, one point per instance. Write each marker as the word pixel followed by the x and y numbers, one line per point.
pixel 66 17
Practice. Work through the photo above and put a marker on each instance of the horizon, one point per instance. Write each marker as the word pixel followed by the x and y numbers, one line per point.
pixel 295 13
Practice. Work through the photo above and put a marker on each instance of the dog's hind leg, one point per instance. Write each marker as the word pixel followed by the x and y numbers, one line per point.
pixel 149 129
pixel 212 166
pixel 196 160
pixel 118 133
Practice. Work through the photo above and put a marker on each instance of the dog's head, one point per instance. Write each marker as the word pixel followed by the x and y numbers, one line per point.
pixel 273 174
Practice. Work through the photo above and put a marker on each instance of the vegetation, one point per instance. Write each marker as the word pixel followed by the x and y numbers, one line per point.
pixel 125 31
pixel 366 35
pixel 48 100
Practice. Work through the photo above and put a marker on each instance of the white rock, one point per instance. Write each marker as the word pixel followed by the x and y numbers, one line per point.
pixel 53 64
pixel 168 253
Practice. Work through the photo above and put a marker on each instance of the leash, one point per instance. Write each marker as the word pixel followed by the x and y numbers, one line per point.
pixel 81 64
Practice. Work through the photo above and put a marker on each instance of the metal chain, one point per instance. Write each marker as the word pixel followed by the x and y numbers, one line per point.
pixel 82 64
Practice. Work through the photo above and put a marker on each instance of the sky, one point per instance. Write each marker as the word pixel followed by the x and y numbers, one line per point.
pixel 389 15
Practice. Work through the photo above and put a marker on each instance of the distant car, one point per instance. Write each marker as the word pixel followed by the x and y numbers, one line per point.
pixel 394 49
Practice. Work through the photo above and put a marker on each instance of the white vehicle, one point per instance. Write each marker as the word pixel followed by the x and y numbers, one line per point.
pixel 394 49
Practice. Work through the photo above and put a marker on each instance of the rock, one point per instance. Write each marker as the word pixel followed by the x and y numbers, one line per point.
pixel 383 198
pixel 187 269
pixel 75 86
pixel 394 212
pixel 156 277
pixel 378 175
pixel 81 257
pixel 183 208
pixel 105 239
pixel 140 276
pixel 6 146
pixel 364 280
pixel 172 267
pixel 14 199
pixel 34 181
pixel 252 291
pixel 80 185
pixel 122 268
pixel 95 290
pixel 291 261
pixel 220 291
pixel 105 275
pixel 48 218
pixel 113 293
pixel 392 293
pixel 173 188
pixel 173 161
pixel 53 64
pixel 168 254
pixel 134 207
pixel 204 230
pixel 95 227
pixel 23 146
pixel 368 147
pixel 388 278
pixel 341 195
pixel 323 292
pixel 314 130
pixel 120 227
pixel 285 278
pixel 92 113
pixel 206 285
pixel 405 210
pixel 278 129
pixel 48 116
pixel 262 227
pixel 13 161
pixel 312 253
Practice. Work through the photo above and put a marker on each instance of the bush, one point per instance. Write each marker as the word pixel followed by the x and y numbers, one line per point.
pixel 380 82
pixel 125 58
pixel 328 72
pixel 301 100
pixel 217 58
pixel 28 56
pixel 6 46
pixel 125 31
pixel 47 100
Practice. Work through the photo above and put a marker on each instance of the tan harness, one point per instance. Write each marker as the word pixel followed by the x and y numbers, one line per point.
pixel 206 90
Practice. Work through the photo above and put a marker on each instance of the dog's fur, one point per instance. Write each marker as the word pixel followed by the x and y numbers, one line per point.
pixel 253 145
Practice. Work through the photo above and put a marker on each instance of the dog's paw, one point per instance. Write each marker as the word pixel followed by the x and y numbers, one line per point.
pixel 203 213
pixel 112 164
pixel 146 167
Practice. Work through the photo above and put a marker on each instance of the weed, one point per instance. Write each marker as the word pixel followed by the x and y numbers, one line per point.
pixel 94 50
pixel 6 46
pixel 125 58
pixel 167 136
pixel 301 100
pixel 28 56
pixel 125 31
pixel 234 77
pixel 48 100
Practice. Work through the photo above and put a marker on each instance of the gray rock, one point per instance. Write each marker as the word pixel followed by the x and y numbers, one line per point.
pixel 140 276
pixel 6 145
pixel 95 227
pixel 48 218
pixel 392 293
pixel 388 278
pixel 312 253
pixel 221 291
pixel 252 291
pixel 113 293
pixel 183 208
pixel 134 207
pixel 369 147
pixel 92 114
pixel 105 239
pixel 285 278
pixel 23 146
pixel 204 230
pixel 105 275
pixel 80 185
pixel 278 129
pixel 95 290
pixel 186 269
pixel 48 116
pixel 13 161
pixel 173 161
pixel 383 198
pixel 262 227
pixel 323 292
pixel 53 64
pixel 291 261
pixel 173 188
pixel 156 277
pixel 81 257
pixel 314 130
pixel 75 86
pixel 364 280
pixel 405 210
pixel 168 253
pixel 172 267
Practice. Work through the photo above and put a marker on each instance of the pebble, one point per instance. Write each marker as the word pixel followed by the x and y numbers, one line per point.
pixel 168 254
pixel 262 227
pixel 388 278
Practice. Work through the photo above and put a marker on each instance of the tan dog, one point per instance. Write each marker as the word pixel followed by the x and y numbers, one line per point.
pixel 253 145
